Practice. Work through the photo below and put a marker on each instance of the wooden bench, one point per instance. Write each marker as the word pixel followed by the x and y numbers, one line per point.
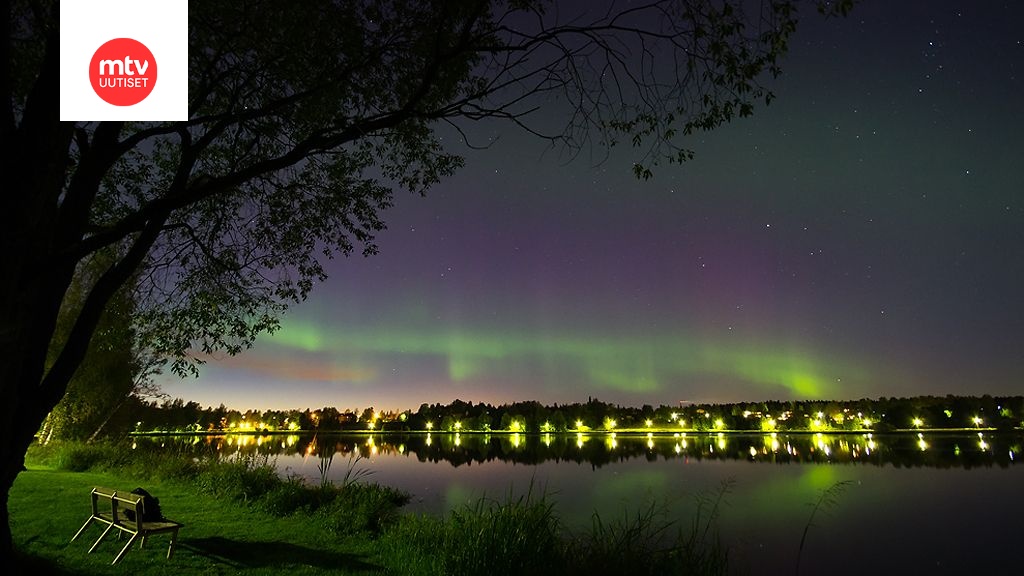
pixel 124 510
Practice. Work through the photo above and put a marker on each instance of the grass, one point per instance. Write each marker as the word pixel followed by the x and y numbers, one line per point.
pixel 241 518
pixel 827 500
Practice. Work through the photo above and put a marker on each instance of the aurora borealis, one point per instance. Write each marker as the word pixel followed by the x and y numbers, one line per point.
pixel 863 236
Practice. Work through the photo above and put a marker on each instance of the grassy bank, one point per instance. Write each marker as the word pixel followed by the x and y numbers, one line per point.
pixel 241 518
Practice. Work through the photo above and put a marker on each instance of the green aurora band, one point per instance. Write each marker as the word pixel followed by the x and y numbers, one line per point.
pixel 629 364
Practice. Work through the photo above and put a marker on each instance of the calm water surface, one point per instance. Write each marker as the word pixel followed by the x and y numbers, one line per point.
pixel 934 504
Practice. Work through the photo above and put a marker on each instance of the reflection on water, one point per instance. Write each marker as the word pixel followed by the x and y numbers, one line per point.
pixel 900 450
pixel 915 504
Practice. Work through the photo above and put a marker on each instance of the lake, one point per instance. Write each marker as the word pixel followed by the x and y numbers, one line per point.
pixel 931 503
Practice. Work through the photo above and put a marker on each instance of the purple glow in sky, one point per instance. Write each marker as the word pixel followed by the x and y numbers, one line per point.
pixel 862 236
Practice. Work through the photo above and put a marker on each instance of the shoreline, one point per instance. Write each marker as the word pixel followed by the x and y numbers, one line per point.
pixel 623 432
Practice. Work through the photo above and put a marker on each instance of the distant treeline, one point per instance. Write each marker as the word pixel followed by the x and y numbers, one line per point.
pixel 882 414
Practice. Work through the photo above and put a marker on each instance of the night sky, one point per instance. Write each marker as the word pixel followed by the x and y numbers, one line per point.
pixel 863 236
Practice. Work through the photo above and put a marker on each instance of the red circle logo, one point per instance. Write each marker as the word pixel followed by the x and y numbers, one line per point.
pixel 123 72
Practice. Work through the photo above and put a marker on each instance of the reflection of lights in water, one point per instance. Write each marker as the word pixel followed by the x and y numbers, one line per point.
pixel 611 442
pixel 819 441
pixel 921 443
pixel 458 440
pixel 580 441
pixel 721 441
pixel 547 439
pixel 516 440
pixel 650 444
pixel 753 452
pixel 982 444
pixel 429 439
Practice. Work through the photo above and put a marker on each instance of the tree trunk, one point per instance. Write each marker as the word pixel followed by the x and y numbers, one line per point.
pixel 21 417
pixel 37 264
pixel 29 302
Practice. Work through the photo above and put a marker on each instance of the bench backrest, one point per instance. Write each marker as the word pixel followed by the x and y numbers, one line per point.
pixel 119 501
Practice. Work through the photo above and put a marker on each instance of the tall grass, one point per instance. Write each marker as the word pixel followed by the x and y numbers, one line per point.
pixel 650 541
pixel 514 536
pixel 524 536
pixel 827 500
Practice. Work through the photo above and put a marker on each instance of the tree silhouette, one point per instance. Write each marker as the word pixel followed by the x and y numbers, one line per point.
pixel 114 368
pixel 304 117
